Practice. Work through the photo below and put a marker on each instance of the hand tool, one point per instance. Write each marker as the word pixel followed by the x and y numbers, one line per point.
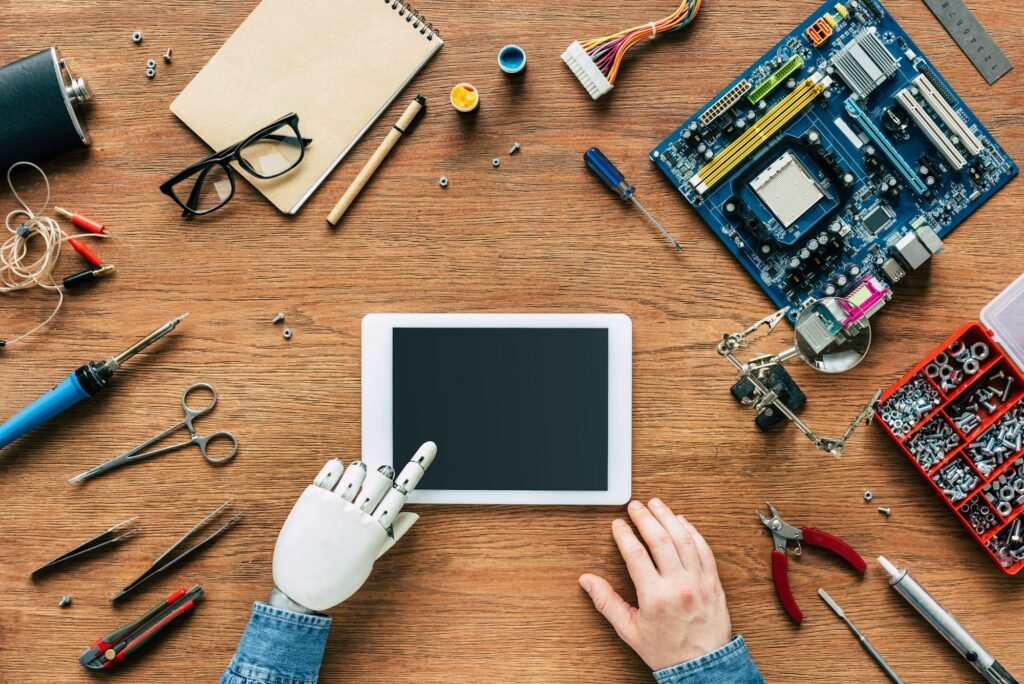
pixel 86 381
pixel 972 38
pixel 782 534
pixel 946 625
pixel 418 104
pixel 875 655
pixel 109 537
pixel 119 644
pixel 168 558
pixel 191 414
pixel 613 179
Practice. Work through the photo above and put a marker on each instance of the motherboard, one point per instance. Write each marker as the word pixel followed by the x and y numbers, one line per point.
pixel 837 163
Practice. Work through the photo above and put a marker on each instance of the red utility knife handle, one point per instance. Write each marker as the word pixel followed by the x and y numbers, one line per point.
pixel 835 545
pixel 780 574
pixel 150 633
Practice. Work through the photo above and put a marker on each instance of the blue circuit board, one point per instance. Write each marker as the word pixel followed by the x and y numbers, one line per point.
pixel 840 155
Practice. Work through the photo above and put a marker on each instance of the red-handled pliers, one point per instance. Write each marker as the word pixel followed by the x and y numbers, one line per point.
pixel 122 642
pixel 782 534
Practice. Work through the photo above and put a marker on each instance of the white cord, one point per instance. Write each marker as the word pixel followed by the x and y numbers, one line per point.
pixel 15 272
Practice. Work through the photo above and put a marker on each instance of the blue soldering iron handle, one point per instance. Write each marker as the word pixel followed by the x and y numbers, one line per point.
pixel 606 171
pixel 50 405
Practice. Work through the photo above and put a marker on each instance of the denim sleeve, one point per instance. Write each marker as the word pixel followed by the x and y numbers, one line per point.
pixel 730 664
pixel 279 647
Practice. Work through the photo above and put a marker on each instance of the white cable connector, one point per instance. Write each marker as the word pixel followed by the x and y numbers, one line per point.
pixel 586 71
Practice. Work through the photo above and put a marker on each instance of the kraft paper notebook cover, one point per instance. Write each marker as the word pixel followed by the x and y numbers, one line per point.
pixel 338 64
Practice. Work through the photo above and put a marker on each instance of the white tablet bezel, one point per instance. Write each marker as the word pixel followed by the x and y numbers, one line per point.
pixel 377 402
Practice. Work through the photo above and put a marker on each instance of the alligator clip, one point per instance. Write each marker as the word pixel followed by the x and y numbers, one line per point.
pixel 782 534
pixel 119 644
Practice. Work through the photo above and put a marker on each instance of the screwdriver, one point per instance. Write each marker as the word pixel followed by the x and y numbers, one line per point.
pixel 617 183
pixel 82 384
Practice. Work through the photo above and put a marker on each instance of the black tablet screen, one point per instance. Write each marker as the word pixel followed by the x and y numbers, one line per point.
pixel 509 408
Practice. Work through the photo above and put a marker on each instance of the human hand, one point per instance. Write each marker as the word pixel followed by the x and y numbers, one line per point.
pixel 341 524
pixel 682 613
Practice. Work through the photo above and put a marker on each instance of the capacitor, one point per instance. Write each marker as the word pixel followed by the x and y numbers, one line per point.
pixel 813 137
pixel 687 134
pixel 842 281
pixel 794 263
pixel 830 290
pixel 813 244
pixel 805 254
pixel 853 270
pixel 708 154
pixel 693 126
pixel 740 123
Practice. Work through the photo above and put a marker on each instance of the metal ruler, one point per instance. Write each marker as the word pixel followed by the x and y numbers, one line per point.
pixel 972 38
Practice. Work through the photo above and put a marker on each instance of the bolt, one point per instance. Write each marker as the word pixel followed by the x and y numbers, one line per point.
pixel 167 56
pixel 137 37
pixel 65 601
pixel 514 148
pixel 286 333
pixel 279 318
pixel 495 162
pixel 885 510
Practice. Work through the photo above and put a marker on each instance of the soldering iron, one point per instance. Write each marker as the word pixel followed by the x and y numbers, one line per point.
pixel 86 381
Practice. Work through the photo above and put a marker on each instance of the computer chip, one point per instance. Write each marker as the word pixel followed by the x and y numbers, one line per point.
pixel 877 219
pixel 787 189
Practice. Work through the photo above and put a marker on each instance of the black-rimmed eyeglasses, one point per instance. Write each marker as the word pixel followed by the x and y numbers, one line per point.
pixel 208 185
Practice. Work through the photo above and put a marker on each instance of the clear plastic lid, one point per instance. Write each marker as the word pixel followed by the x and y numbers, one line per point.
pixel 1004 316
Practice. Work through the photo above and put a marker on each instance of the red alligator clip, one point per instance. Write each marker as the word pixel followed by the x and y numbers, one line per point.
pixel 782 534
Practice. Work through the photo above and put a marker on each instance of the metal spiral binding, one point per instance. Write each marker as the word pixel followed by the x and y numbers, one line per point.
pixel 417 20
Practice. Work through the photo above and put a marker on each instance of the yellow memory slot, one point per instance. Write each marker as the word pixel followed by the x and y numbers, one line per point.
pixel 759 133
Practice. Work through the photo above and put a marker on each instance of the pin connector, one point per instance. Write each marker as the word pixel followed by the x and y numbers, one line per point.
pixel 83 222
pixel 86 276
pixel 583 67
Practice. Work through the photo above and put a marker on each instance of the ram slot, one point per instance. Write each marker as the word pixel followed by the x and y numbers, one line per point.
pixel 772 82
pixel 890 152
pixel 949 117
pixel 759 133
pixel 931 129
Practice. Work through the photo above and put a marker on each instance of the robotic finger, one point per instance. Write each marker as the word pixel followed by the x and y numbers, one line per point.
pixel 390 506
pixel 351 481
pixel 330 474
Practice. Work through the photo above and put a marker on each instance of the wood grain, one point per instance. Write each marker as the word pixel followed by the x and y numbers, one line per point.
pixel 473 594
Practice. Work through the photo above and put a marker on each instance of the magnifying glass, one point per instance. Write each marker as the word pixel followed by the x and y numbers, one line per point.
pixel 831 337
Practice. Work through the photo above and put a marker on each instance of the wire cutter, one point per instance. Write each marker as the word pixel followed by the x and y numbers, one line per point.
pixel 782 534
pixel 119 644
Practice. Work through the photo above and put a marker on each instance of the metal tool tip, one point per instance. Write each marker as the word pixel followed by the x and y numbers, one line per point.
pixel 180 318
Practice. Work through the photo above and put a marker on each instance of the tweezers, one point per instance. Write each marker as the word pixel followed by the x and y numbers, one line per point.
pixel 169 558
pixel 109 537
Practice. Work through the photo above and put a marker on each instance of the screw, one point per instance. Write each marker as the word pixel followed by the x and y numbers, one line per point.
pixel 514 148
pixel 279 318
pixel 495 162
pixel 150 73
pixel 286 333
pixel 167 56
pixel 65 601
pixel 885 510
pixel 443 181
pixel 137 37
pixel 868 496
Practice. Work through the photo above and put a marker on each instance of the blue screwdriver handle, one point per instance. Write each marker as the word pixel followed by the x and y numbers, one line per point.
pixel 609 175
pixel 49 406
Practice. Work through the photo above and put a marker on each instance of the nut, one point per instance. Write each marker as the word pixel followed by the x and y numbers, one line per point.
pixel 137 37
pixel 443 181
pixel 286 333
pixel 495 162
pixel 151 64
pixel 150 73
pixel 868 496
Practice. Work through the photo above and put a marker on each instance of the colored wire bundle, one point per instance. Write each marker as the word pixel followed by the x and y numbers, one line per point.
pixel 18 271
pixel 608 51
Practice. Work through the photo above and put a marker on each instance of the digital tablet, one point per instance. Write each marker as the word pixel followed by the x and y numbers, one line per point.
pixel 524 408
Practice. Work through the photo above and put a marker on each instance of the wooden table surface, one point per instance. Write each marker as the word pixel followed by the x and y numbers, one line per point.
pixel 473 594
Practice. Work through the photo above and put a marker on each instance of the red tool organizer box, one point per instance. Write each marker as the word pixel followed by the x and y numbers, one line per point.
pixel 974 464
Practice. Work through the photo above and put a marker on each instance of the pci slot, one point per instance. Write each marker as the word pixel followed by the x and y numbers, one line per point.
pixel 775 80
pixel 939 105
pixel 931 129
pixel 877 137
pixel 724 103
pixel 759 133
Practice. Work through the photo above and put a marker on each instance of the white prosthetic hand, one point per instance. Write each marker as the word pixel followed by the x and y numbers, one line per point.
pixel 342 523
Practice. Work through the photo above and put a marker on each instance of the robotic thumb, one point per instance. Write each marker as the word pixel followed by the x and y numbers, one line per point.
pixel 401 525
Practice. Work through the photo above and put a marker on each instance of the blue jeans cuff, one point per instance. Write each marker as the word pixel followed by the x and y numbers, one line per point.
pixel 730 664
pixel 281 647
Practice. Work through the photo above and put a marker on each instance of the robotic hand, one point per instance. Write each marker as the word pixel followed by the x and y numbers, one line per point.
pixel 342 523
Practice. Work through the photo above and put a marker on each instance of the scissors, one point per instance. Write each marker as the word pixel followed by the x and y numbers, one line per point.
pixel 190 415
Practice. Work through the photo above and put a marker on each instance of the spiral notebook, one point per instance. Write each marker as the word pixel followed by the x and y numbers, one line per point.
pixel 338 64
